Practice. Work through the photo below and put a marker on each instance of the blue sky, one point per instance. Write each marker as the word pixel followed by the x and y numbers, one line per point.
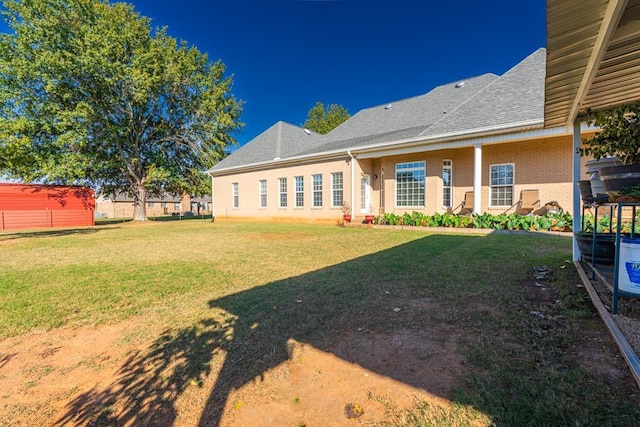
pixel 286 55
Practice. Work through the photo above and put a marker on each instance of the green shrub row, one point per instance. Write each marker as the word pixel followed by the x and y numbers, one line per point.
pixel 549 221
pixel 607 225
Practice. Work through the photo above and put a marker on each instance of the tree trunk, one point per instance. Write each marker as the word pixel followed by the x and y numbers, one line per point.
pixel 139 204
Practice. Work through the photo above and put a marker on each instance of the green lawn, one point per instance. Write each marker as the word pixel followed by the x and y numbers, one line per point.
pixel 209 280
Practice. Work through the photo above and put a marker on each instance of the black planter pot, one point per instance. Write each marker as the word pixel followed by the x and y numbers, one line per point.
pixel 615 178
pixel 605 247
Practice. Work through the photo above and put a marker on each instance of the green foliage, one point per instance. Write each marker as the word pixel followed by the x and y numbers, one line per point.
pixel 549 221
pixel 607 225
pixel 323 120
pixel 618 135
pixel 631 191
pixel 89 94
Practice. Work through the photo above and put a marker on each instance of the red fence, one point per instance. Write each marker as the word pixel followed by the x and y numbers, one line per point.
pixel 15 220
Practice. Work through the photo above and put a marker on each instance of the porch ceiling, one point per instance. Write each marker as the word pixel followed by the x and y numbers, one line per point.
pixel 593 57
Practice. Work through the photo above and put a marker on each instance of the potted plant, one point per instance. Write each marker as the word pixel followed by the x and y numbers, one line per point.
pixel 346 212
pixel 618 137
pixel 368 218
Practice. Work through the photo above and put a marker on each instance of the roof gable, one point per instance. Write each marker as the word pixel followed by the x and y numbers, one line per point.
pixel 280 141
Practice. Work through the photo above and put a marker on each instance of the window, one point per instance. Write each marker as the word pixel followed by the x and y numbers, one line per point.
pixel 262 185
pixel 299 191
pixel 176 206
pixel 336 189
pixel 447 168
pixel 235 194
pixel 149 204
pixel 317 190
pixel 410 184
pixel 501 185
pixel 163 204
pixel 283 192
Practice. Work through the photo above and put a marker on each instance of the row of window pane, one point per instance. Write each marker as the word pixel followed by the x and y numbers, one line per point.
pixel 337 189
pixel 410 187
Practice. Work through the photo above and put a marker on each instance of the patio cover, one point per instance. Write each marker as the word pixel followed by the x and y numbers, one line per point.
pixel 593 62
pixel 593 57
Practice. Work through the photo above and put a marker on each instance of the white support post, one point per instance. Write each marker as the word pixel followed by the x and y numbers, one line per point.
pixel 577 213
pixel 477 178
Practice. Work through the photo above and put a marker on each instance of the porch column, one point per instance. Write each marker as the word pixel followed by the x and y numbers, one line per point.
pixel 477 178
pixel 576 214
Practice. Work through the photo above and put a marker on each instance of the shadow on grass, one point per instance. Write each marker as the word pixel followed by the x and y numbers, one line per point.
pixel 331 309
pixel 48 233
pixel 249 330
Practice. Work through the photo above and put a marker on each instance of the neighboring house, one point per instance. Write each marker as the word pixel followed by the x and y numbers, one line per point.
pixel 483 134
pixel 43 206
pixel 121 206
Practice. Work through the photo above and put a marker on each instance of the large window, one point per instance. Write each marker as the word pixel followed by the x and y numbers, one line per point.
pixel 283 192
pixel 262 185
pixel 235 195
pixel 336 189
pixel 410 184
pixel 447 169
pixel 501 185
pixel 316 181
pixel 299 191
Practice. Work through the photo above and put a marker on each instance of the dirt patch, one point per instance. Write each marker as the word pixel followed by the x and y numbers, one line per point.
pixel 97 376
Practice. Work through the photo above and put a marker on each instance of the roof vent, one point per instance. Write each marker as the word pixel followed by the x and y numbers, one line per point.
pixel 386 107
pixel 307 131
pixel 459 85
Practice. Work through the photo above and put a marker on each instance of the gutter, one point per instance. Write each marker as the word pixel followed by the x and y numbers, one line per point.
pixel 352 167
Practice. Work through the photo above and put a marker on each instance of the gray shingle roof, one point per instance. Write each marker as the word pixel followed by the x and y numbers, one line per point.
pixel 516 97
pixel 484 102
pixel 278 142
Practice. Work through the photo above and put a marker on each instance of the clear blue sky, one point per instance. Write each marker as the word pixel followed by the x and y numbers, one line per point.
pixel 286 55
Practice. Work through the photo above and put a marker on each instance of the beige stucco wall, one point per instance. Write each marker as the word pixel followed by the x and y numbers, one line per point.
pixel 543 164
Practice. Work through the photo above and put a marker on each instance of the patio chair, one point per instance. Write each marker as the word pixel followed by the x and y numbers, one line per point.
pixel 467 203
pixel 529 200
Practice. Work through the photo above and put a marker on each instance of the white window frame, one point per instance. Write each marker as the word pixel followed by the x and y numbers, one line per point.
pixel 177 207
pixel 235 195
pixel 282 187
pixel 299 191
pixel 501 185
pixel 316 190
pixel 447 190
pixel 337 189
pixel 262 193
pixel 415 166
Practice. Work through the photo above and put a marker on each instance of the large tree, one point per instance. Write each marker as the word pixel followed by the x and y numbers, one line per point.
pixel 90 94
pixel 323 120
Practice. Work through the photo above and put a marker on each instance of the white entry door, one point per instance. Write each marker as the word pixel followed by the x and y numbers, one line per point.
pixel 365 194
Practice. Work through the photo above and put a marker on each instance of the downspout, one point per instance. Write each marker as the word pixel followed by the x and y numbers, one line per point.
pixel 351 163
pixel 213 215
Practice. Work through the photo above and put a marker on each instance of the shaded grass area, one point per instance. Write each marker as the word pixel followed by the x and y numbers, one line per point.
pixel 231 295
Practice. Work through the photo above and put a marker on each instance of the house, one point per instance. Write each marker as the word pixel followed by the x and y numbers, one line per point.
pixel 121 205
pixel 44 206
pixel 481 139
